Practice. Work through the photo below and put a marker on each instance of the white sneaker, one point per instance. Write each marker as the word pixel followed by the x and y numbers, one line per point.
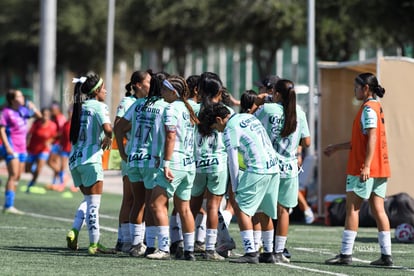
pixel 159 255
pixel 309 216
pixel 12 210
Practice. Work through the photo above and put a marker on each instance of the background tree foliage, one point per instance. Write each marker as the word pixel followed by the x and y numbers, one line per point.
pixel 342 27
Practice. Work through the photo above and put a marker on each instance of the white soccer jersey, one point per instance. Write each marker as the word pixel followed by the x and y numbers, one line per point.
pixel 245 134
pixel 272 117
pixel 122 108
pixel 148 135
pixel 88 147
pixel 177 115
pixel 210 153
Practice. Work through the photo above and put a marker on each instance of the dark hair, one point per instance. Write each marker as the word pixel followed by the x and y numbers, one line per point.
pixel 225 97
pixel 207 117
pixel 154 93
pixel 79 89
pixel 136 77
pixel 209 86
pixel 181 87
pixel 286 89
pixel 247 100
pixel 372 82
pixel 192 82
pixel 11 95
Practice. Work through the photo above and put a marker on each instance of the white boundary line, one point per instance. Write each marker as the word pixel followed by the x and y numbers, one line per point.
pixel 312 269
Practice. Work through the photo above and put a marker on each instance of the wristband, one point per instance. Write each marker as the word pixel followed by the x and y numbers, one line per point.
pixel 166 163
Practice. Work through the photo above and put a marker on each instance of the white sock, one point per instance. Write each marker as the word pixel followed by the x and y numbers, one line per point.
pixel 200 224
pixel 280 243
pixel 384 239
pixel 267 237
pixel 248 241
pixel 164 238
pixel 136 231
pixel 80 216
pixel 189 241
pixel 126 233
pixel 211 239
pixel 92 217
pixel 150 236
pixel 175 229
pixel 223 234
pixel 143 226
pixel 227 217
pixel 348 239
pixel 257 239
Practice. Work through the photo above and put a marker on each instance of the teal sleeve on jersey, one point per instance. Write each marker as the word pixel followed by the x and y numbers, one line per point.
pixel 368 118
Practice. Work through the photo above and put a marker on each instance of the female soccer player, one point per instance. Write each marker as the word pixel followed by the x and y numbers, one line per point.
pixel 13 131
pixel 144 119
pixel 367 171
pixel 176 175
pixel 211 167
pixel 258 186
pixel 137 88
pixel 90 134
pixel 286 126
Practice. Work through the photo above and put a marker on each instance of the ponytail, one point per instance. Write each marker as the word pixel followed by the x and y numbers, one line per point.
pixel 286 90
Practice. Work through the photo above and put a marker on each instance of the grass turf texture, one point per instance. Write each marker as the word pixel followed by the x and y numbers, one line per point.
pixel 35 243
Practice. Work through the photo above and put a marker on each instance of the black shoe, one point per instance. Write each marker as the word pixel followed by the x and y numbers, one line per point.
pixel 149 251
pixel 118 246
pixel 385 260
pixel 188 256
pixel 250 258
pixel 179 251
pixel 267 258
pixel 174 246
pixel 340 259
pixel 286 253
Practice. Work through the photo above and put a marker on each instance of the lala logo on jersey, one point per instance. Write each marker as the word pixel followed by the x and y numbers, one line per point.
pixel 207 162
pixel 139 156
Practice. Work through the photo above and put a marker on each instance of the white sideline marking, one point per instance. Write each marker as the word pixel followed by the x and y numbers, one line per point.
pixel 109 229
pixel 312 269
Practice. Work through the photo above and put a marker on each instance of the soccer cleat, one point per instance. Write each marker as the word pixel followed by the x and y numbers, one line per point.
pixel 137 250
pixel 126 247
pixel 267 258
pixel 179 251
pixel 72 239
pixel 97 248
pixel 118 246
pixel 309 216
pixel 149 251
pixel 12 210
pixel 224 248
pixel 174 246
pixel 280 258
pixel 199 247
pixel 188 256
pixel 159 255
pixel 211 255
pixel 385 260
pixel 248 258
pixel 340 259
pixel 286 253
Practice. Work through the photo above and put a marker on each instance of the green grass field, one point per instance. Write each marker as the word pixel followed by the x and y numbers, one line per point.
pixel 35 243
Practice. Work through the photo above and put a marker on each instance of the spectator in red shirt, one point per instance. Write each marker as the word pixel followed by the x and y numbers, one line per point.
pixel 40 136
